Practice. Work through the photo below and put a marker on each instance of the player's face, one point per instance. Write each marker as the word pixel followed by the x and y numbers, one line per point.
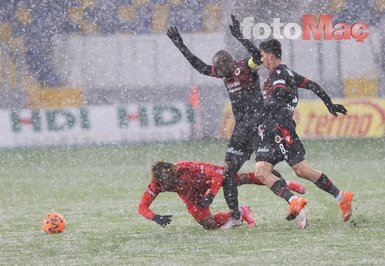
pixel 224 65
pixel 266 59
pixel 167 179
pixel 223 68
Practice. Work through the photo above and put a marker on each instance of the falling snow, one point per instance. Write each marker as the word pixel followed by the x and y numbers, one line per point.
pixel 93 91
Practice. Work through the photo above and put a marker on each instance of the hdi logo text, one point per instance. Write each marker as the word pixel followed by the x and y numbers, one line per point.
pixel 340 31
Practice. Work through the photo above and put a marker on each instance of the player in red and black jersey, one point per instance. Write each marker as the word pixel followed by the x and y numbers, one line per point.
pixel 279 140
pixel 242 84
pixel 197 183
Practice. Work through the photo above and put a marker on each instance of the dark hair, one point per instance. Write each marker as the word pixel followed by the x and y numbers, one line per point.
pixel 163 171
pixel 272 46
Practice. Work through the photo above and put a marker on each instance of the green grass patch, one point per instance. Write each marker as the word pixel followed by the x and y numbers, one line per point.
pixel 97 189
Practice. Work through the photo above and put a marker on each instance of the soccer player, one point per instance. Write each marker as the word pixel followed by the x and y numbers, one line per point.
pixel 242 84
pixel 241 80
pixel 197 183
pixel 279 140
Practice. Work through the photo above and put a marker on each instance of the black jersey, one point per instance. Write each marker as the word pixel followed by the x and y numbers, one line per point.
pixel 245 93
pixel 280 93
pixel 243 88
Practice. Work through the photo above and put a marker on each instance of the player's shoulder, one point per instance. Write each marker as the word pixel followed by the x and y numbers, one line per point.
pixel 242 63
pixel 204 165
pixel 282 72
pixel 184 163
pixel 253 66
pixel 300 80
pixel 242 69
pixel 248 64
pixel 152 189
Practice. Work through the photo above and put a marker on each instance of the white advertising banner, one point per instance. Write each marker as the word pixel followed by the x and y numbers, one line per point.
pixel 132 123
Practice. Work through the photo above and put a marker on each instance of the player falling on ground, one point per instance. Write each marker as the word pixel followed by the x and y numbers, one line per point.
pixel 279 140
pixel 242 84
pixel 197 183
pixel 241 79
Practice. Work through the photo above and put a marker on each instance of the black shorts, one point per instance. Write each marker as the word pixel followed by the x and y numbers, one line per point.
pixel 280 145
pixel 242 143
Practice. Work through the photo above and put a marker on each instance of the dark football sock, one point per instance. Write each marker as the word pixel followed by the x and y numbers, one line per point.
pixel 327 185
pixel 281 189
pixel 277 174
pixel 230 191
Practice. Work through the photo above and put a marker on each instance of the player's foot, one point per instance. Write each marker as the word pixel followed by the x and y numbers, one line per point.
pixel 247 217
pixel 297 187
pixel 301 219
pixel 231 223
pixel 346 205
pixel 296 205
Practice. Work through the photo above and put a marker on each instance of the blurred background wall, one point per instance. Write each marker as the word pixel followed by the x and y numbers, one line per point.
pixel 68 54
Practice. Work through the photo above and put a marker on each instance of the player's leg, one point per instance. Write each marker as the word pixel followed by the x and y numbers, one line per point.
pixel 296 159
pixel 293 185
pixel 204 217
pixel 248 179
pixel 201 214
pixel 219 220
pixel 344 199
pixel 251 179
pixel 210 222
pixel 230 190
pixel 238 151
pixel 267 155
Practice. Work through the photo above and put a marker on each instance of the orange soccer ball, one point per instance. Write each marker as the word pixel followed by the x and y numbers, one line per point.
pixel 53 223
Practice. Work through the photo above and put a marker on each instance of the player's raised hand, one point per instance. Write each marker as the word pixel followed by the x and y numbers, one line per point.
pixel 337 108
pixel 235 28
pixel 207 200
pixel 175 37
pixel 162 220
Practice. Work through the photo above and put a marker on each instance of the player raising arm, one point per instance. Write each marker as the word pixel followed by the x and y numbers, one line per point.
pixel 278 139
pixel 242 84
pixel 197 183
pixel 301 82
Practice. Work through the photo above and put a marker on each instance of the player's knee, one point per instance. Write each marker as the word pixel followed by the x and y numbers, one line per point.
pixel 299 171
pixel 261 174
pixel 277 174
pixel 231 169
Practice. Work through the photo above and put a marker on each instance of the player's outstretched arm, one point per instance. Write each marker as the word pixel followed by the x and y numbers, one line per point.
pixel 148 197
pixel 198 64
pixel 316 89
pixel 144 206
pixel 235 30
pixel 333 108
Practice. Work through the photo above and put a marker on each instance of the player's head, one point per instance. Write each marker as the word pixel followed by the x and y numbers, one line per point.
pixel 224 63
pixel 164 174
pixel 271 51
